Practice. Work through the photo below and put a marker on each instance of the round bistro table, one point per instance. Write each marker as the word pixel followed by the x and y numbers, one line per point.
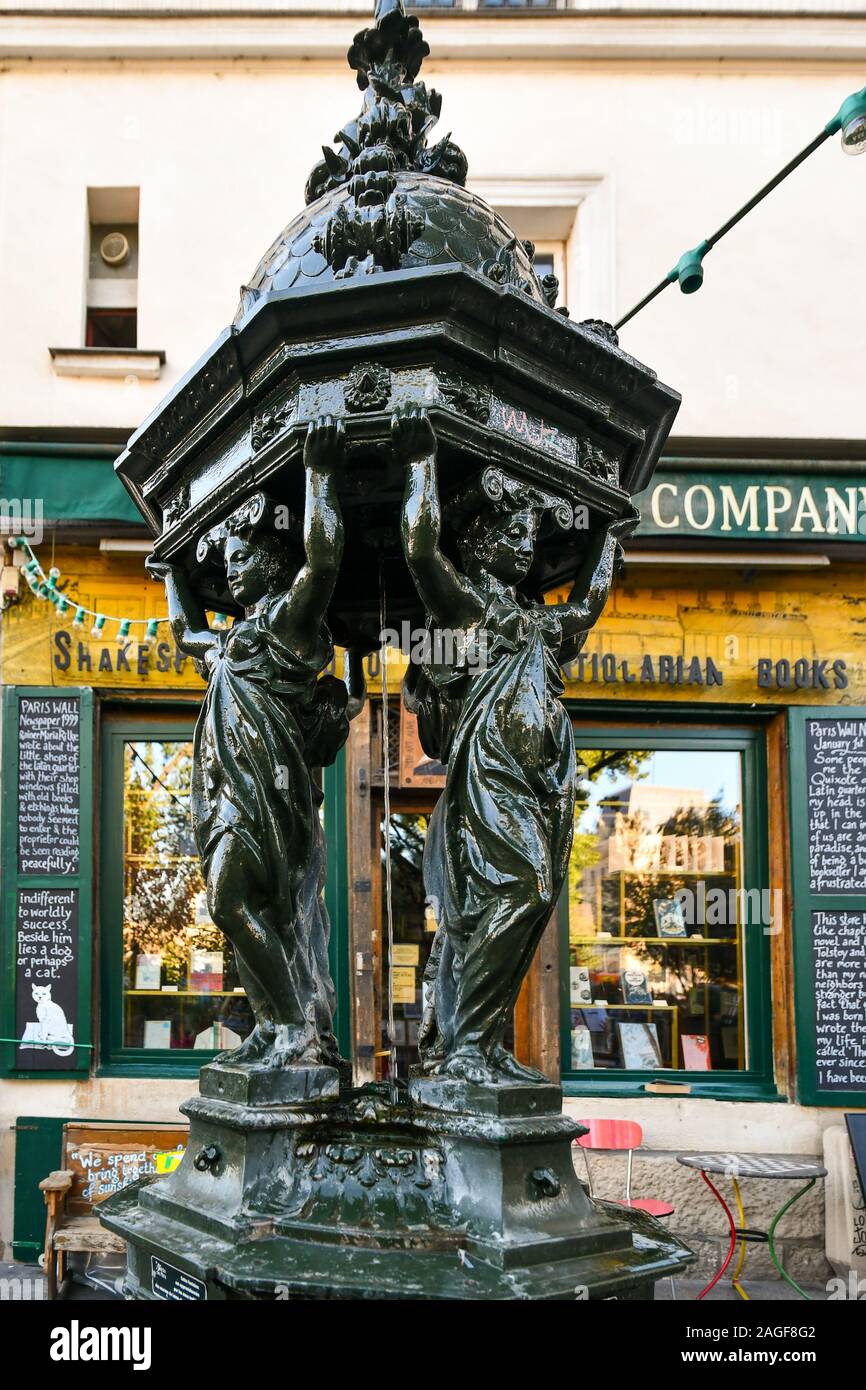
pixel 776 1167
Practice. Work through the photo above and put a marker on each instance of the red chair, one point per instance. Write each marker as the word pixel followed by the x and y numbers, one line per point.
pixel 621 1135
pixel 625 1136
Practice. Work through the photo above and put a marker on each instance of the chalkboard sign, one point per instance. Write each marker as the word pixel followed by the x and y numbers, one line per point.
pixel 839 955
pixel 828 826
pixel 46 870
pixel 49 785
pixel 836 767
pixel 46 978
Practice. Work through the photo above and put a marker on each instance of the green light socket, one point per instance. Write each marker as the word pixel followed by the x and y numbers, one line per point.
pixel 689 269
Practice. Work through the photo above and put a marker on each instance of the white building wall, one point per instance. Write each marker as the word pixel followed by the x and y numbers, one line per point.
pixel 771 347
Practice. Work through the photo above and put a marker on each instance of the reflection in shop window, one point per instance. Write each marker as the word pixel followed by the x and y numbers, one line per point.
pixel 414 929
pixel 656 910
pixel 180 982
pixel 414 919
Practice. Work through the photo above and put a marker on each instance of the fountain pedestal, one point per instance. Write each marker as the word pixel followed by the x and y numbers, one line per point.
pixel 447 1191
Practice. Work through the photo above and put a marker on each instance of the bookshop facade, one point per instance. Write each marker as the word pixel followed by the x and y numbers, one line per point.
pixel 719 860
pixel 706 971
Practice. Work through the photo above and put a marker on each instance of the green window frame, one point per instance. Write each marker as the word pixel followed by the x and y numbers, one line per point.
pixel 705 732
pixel 115 1058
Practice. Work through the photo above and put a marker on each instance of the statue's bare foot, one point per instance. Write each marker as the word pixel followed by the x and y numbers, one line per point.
pixel 507 1065
pixel 295 1045
pixel 469 1064
pixel 253 1048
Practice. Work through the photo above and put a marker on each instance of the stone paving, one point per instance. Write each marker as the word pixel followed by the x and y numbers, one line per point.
pixel 28 1282
pixel 759 1291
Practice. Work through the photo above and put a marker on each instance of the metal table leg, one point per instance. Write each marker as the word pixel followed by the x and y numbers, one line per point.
pixel 720 1199
pixel 741 1213
pixel 772 1231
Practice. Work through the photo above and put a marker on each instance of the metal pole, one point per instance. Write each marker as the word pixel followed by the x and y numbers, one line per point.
pixel 738 216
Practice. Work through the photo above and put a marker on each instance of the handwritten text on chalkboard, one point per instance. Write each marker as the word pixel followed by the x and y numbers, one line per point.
pixel 839 958
pixel 836 765
pixel 49 785
pixel 46 978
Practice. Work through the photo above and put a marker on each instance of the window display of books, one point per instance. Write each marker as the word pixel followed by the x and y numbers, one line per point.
pixel 696 1052
pixel 580 989
pixel 635 989
pixel 581 1048
pixel 639 1044
pixel 148 970
pixel 670 918
pixel 206 971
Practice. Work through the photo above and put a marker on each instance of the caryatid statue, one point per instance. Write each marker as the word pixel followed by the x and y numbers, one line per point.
pixel 499 839
pixel 268 719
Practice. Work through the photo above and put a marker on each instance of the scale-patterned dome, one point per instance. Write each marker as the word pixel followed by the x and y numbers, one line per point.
pixel 384 200
pixel 456 226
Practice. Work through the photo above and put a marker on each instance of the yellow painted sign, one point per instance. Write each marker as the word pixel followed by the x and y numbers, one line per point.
pixel 405 953
pixel 167 1162
pixel 403 984
pixel 39 647
pixel 787 638
pixel 686 636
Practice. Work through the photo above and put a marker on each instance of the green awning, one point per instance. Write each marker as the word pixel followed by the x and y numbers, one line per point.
pixel 68 488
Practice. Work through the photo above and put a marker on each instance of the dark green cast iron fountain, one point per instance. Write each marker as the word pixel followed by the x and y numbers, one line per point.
pixel 398 409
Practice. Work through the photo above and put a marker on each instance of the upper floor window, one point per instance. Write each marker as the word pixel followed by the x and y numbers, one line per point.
pixel 112 271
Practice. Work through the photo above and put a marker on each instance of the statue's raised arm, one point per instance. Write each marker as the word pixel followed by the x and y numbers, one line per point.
pixel 592 584
pixel 186 613
pixel 298 615
pixel 450 598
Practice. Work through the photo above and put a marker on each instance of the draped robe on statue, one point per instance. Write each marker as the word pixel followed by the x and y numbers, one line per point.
pixel 266 720
pixel 499 839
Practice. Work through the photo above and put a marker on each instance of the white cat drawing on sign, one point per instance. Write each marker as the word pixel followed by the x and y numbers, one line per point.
pixel 51 1027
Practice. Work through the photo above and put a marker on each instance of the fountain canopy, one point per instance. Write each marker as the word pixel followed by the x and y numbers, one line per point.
pixel 398 286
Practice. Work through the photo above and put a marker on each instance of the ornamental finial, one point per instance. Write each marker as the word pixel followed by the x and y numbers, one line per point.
pixel 398 113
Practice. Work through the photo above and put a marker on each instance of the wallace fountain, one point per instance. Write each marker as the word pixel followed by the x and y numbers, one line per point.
pixel 400 420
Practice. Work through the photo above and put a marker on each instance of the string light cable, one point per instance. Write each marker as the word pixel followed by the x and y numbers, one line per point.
pixel 688 273
pixel 45 587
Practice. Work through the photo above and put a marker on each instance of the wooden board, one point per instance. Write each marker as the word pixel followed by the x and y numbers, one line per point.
pixel 106 1158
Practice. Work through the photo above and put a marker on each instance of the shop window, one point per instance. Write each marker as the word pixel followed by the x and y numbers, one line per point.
pixel 668 920
pixel 181 987
pixel 171 991
pixel 171 988
pixel 414 928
